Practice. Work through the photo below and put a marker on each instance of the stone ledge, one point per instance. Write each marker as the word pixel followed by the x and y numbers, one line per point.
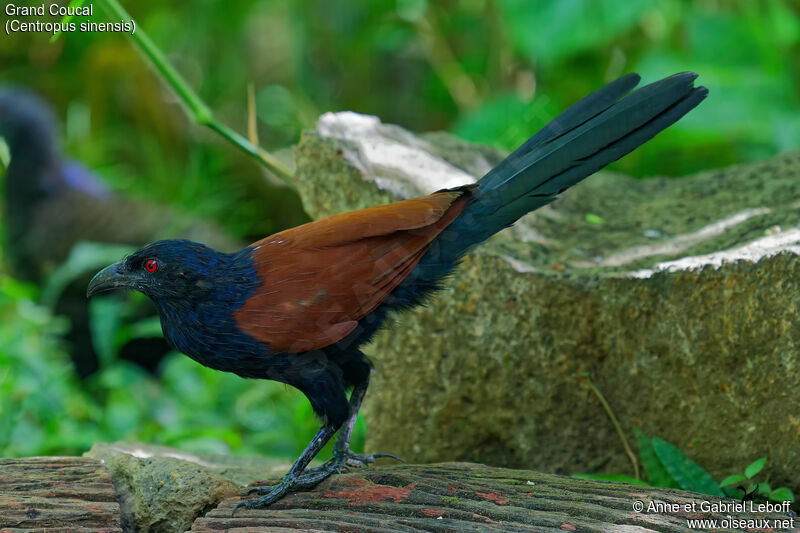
pixel 678 297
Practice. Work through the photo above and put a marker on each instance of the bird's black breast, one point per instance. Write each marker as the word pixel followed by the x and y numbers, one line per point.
pixel 198 319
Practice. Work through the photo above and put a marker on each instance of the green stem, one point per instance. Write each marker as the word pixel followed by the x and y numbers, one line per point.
pixel 617 426
pixel 196 108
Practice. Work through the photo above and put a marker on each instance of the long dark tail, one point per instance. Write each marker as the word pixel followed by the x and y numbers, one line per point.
pixel 597 130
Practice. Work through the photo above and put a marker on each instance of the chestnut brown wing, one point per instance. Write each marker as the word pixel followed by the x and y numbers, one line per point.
pixel 320 279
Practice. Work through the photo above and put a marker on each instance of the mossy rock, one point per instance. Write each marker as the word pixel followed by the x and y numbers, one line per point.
pixel 677 298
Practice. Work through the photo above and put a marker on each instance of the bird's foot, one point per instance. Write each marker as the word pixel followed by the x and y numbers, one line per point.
pixel 303 481
pixel 350 459
pixel 276 492
pixel 313 476
pixel 358 460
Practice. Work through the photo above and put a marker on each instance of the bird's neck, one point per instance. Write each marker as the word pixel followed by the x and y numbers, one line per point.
pixel 202 325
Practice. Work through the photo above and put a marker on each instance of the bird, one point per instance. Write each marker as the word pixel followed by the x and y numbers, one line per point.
pixel 52 203
pixel 296 307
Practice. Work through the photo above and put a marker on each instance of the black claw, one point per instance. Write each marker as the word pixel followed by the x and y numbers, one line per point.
pixel 238 505
pixel 387 456
pixel 274 495
pixel 259 490
pixel 368 458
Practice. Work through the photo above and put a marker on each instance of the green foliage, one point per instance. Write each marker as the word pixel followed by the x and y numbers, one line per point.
pixel 745 53
pixel 39 411
pixel 739 485
pixel 687 474
pixel 657 473
pixel 668 467
pixel 755 467
pixel 564 28
pixel 782 494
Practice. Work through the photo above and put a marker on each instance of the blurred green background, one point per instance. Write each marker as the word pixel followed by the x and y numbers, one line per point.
pixel 491 71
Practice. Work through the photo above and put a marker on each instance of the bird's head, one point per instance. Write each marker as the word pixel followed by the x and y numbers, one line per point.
pixel 169 270
pixel 196 291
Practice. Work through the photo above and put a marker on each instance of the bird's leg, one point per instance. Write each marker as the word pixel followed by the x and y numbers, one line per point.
pixel 342 455
pixel 294 479
pixel 305 478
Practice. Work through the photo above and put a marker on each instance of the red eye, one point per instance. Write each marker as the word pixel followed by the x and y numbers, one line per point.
pixel 151 265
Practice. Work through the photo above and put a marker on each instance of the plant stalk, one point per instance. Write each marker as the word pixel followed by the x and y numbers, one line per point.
pixel 194 105
pixel 615 422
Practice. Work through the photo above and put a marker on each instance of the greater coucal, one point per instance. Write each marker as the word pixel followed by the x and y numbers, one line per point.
pixel 52 203
pixel 295 307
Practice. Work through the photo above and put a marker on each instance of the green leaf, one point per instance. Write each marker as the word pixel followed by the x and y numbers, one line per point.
pixel 733 493
pixel 619 478
pixel 755 467
pixel 657 475
pixel 688 474
pixel 782 494
pixel 66 18
pixel 591 218
pixel 730 480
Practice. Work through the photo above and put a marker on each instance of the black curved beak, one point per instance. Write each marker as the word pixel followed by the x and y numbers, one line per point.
pixel 108 279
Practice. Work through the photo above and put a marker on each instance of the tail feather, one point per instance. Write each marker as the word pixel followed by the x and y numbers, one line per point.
pixel 599 129
pixel 585 109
